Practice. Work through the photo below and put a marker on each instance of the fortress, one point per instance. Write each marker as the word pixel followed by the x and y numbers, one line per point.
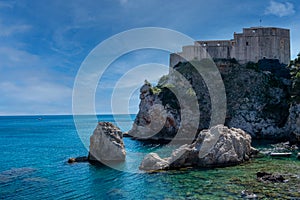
pixel 253 44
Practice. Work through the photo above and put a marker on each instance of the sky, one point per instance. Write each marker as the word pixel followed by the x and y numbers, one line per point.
pixel 43 43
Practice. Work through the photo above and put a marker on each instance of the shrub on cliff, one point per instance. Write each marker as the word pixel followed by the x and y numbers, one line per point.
pixel 295 74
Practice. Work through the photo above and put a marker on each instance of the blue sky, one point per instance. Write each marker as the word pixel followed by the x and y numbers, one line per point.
pixel 43 43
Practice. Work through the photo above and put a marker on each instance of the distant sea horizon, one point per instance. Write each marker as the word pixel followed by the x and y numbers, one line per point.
pixel 67 114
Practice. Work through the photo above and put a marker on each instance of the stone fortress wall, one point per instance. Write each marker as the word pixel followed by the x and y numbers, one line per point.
pixel 253 44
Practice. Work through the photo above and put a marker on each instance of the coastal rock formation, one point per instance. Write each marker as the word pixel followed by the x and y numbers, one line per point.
pixel 218 146
pixel 293 124
pixel 155 119
pixel 257 99
pixel 106 144
pixel 152 161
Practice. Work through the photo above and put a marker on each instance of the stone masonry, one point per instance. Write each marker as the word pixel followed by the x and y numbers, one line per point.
pixel 253 44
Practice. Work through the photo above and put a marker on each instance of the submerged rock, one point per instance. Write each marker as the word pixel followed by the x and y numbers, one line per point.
pixel 218 146
pixel 106 144
pixel 245 194
pixel 265 176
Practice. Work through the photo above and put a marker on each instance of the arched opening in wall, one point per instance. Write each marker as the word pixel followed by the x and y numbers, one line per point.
pixel 247 43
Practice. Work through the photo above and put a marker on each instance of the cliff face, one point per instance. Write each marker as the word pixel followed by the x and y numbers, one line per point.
pixel 152 121
pixel 293 124
pixel 257 101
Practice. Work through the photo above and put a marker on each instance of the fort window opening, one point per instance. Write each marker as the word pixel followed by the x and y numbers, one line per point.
pixel 273 31
pixel 247 43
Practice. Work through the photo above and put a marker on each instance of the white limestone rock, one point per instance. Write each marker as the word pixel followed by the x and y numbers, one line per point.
pixel 106 144
pixel 293 123
pixel 218 146
pixel 152 161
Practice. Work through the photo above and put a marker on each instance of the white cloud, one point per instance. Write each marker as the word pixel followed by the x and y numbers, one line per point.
pixel 4 4
pixel 123 2
pixel 40 92
pixel 34 98
pixel 8 30
pixel 29 86
pixel 12 57
pixel 280 9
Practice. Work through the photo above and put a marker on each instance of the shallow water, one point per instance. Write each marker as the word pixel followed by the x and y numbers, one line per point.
pixel 33 165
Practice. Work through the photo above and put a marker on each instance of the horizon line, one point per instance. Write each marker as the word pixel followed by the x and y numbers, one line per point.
pixel 66 114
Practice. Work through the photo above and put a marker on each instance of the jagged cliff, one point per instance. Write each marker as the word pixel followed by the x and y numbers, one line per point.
pixel 293 124
pixel 258 97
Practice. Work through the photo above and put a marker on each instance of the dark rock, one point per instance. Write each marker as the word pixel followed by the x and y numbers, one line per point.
pixel 78 159
pixel 275 67
pixel 274 178
pixel 125 134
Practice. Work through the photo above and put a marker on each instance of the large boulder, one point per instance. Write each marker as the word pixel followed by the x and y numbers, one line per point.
pixel 152 161
pixel 216 147
pixel 106 144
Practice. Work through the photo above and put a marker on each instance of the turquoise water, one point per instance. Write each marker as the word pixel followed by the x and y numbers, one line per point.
pixel 33 166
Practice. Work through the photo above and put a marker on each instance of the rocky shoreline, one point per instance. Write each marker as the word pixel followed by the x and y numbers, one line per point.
pixel 257 106
pixel 258 101
pixel 216 147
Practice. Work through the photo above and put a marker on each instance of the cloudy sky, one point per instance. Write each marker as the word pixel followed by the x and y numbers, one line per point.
pixel 43 43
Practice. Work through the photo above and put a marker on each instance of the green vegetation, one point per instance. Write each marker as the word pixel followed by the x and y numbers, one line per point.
pixel 294 67
pixel 155 90
pixel 191 92
pixel 252 65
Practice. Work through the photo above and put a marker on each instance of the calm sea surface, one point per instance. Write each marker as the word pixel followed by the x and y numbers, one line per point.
pixel 33 166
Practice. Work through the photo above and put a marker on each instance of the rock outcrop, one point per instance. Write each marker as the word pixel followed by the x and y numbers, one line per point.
pixel 155 120
pixel 218 146
pixel 269 177
pixel 257 100
pixel 78 159
pixel 106 144
pixel 293 124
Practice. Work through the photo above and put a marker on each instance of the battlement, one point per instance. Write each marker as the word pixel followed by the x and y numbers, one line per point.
pixel 253 44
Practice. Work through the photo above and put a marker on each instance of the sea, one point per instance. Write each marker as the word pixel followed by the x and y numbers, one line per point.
pixel 34 152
